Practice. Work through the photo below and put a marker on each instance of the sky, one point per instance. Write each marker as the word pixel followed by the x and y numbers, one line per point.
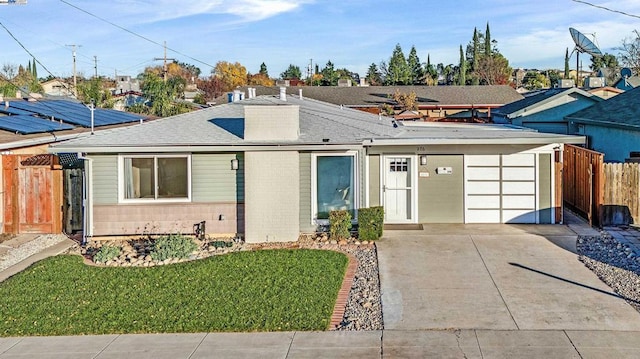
pixel 128 35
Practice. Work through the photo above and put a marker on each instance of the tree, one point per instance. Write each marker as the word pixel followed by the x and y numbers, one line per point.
pixel 476 53
pixel 259 80
pixel 534 80
pixel 263 70
pixel 398 71
pixel 212 88
pixel 329 75
pixel 554 77
pixel 188 71
pixel 493 70
pixel 487 42
pixel 162 95
pixel 608 65
pixel 629 53
pixel 406 101
pixel 566 63
pixel 34 69
pixel 292 72
pixel 94 91
pixel 232 75
pixel 417 73
pixel 462 68
pixel 431 73
pixel 373 75
pixel 445 74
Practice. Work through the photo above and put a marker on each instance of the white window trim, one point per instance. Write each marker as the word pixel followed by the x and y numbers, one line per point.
pixel 314 183
pixel 155 157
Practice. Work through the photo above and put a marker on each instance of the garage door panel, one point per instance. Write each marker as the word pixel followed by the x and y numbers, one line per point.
pixel 518 216
pixel 482 160
pixel 519 202
pixel 480 202
pixel 483 188
pixel 518 188
pixel 519 159
pixel 483 216
pixel 483 173
pixel 518 173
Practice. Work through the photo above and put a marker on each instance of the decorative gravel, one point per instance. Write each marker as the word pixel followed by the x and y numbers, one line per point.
pixel 15 255
pixel 614 263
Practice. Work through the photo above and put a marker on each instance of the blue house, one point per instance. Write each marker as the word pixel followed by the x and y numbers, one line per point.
pixel 612 126
pixel 545 111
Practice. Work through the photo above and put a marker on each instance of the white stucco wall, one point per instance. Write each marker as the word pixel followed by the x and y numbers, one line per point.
pixel 272 196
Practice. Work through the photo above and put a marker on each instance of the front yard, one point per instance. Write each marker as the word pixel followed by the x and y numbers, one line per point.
pixel 267 290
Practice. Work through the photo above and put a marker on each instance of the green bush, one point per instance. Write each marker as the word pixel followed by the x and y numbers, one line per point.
pixel 370 223
pixel 106 253
pixel 221 244
pixel 340 224
pixel 172 246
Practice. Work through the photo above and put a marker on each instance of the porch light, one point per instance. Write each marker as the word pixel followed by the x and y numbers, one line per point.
pixel 234 164
pixel 423 160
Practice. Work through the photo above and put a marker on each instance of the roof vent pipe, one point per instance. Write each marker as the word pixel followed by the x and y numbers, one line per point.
pixel 253 92
pixel 300 93
pixel 283 93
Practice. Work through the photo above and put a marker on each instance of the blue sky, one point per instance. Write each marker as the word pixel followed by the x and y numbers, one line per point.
pixel 352 33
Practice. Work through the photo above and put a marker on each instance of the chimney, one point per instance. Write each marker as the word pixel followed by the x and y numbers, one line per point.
pixel 300 93
pixel 237 95
pixel 271 123
pixel 283 93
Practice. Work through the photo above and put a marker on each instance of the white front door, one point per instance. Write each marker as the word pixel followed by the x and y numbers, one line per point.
pixel 398 189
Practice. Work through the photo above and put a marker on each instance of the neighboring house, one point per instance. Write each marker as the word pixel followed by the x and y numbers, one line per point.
pixel 269 168
pixel 627 83
pixel 56 87
pixel 612 126
pixel 126 99
pixel 606 92
pixel 31 181
pixel 435 103
pixel 544 111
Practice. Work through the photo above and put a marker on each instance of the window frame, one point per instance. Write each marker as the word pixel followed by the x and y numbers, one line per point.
pixel 314 184
pixel 156 199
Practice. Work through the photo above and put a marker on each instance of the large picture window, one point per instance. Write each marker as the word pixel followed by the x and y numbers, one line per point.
pixel 156 178
pixel 335 184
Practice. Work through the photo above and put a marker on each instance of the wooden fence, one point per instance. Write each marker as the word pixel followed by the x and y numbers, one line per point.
pixel 583 182
pixel 621 194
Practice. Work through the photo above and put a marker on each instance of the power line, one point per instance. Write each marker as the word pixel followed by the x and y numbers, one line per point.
pixel 134 33
pixel 607 9
pixel 25 49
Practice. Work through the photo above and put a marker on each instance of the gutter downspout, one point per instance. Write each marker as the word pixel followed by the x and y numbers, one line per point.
pixel 87 197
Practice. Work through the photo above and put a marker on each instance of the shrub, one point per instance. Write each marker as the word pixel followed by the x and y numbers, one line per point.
pixel 339 224
pixel 172 246
pixel 221 244
pixel 106 253
pixel 370 223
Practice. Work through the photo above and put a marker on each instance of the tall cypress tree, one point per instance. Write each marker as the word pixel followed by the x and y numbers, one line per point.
pixel 415 67
pixel 476 53
pixel 34 70
pixel 463 69
pixel 487 42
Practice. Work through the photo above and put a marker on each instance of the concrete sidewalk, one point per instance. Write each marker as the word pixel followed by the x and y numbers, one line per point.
pixel 372 344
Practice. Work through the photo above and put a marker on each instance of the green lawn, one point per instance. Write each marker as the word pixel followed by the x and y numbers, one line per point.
pixel 267 290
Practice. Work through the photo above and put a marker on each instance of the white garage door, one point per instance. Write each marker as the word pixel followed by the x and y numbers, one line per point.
pixel 500 188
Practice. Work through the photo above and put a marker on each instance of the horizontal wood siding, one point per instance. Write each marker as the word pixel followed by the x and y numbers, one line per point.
pixel 213 180
pixel 105 179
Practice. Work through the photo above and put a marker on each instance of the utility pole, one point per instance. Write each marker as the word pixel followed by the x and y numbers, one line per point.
pixel 75 82
pixel 95 66
pixel 164 67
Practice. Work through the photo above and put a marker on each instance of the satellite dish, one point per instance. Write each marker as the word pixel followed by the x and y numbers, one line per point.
pixel 583 44
pixel 625 72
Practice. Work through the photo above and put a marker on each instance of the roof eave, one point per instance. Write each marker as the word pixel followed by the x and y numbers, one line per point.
pixel 477 141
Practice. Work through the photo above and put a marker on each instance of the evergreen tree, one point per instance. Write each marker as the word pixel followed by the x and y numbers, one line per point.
pixel 292 72
pixel 566 64
pixel 329 75
pixel 398 71
pixel 263 70
pixel 373 75
pixel 34 69
pixel 29 68
pixel 462 69
pixel 431 72
pixel 417 74
pixel 487 42
pixel 476 53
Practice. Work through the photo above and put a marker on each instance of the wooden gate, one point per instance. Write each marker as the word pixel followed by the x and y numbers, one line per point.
pixel 32 194
pixel 583 183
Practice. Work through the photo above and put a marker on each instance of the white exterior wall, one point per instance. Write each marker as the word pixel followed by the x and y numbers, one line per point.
pixel 272 196
pixel 271 123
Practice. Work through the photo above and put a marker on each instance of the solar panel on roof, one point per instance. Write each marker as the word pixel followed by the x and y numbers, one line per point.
pixel 14 111
pixel 28 124
pixel 74 113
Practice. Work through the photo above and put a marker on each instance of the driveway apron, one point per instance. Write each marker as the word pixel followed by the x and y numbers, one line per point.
pixel 501 277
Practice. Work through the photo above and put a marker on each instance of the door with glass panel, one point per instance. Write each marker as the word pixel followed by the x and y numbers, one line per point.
pixel 398 189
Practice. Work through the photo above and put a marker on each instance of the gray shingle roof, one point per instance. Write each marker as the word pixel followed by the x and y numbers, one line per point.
pixel 374 96
pixel 319 121
pixel 538 98
pixel 620 110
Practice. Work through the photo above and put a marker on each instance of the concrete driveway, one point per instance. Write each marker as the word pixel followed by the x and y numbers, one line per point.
pixel 500 277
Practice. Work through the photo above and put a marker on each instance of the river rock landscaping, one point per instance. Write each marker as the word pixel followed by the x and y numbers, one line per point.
pixel 614 263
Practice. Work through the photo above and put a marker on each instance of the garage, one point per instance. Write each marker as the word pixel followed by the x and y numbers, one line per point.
pixel 500 188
